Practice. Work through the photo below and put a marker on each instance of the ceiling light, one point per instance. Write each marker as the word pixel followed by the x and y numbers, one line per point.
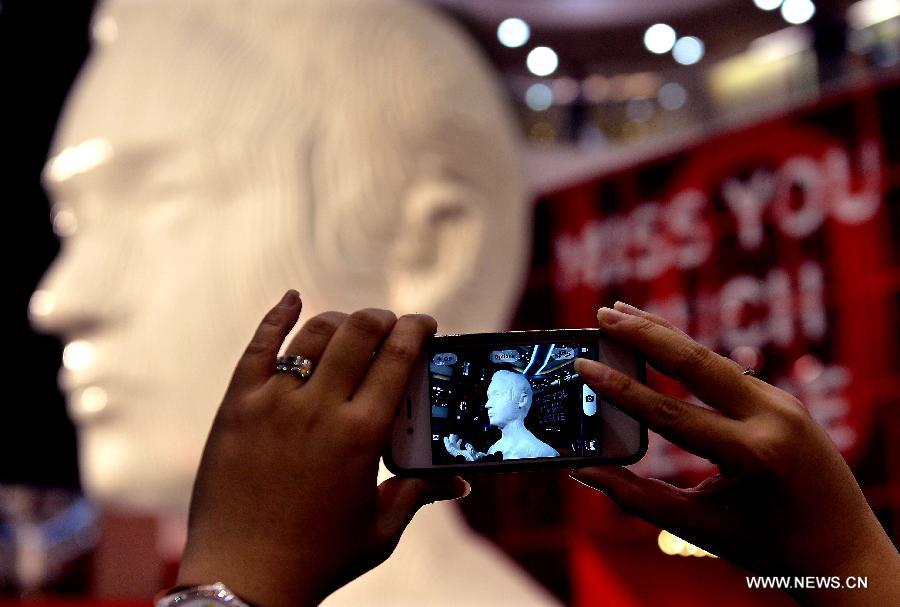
pixel 542 61
pixel 659 38
pixel 688 50
pixel 798 11
pixel 513 32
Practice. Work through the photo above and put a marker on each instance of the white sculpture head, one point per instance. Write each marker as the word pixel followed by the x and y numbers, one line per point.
pixel 214 153
pixel 509 398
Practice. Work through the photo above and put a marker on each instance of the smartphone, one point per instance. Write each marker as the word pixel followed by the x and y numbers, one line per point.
pixel 513 401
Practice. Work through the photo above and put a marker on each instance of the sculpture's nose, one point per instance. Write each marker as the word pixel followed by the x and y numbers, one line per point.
pixel 69 299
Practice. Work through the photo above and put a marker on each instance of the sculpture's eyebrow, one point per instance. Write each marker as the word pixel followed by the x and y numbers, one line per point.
pixel 82 166
pixel 77 159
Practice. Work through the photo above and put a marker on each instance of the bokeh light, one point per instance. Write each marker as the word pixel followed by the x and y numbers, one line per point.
pixel 513 32
pixel 542 61
pixel 798 11
pixel 539 97
pixel 565 90
pixel 671 544
pixel 659 38
pixel 672 96
pixel 596 88
pixel 688 50
pixel 640 110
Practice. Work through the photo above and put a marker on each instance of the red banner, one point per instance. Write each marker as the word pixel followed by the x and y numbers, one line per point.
pixel 775 243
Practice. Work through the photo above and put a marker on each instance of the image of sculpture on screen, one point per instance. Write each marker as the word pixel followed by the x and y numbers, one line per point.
pixel 518 402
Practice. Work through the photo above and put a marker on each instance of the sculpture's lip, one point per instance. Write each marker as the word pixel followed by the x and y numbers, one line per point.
pixel 81 414
pixel 70 382
pixel 87 398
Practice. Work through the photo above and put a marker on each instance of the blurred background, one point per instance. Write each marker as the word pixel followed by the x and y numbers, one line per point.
pixel 731 164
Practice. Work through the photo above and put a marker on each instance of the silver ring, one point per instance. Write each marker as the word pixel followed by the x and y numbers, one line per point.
pixel 298 366
pixel 749 371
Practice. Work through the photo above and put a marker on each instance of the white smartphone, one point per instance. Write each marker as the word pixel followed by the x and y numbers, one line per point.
pixel 513 401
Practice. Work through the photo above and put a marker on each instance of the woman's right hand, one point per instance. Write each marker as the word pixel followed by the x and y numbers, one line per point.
pixel 784 502
pixel 286 506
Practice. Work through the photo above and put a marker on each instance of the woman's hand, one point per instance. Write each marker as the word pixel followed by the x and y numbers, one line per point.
pixel 286 507
pixel 784 501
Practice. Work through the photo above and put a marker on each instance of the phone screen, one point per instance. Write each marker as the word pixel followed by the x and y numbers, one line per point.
pixel 512 402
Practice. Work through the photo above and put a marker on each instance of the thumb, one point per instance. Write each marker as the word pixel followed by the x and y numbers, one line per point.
pixel 653 500
pixel 680 511
pixel 400 498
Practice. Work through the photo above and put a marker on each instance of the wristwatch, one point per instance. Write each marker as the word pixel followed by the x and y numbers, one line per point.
pixel 213 595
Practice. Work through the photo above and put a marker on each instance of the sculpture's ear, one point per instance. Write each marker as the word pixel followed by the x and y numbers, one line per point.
pixel 437 248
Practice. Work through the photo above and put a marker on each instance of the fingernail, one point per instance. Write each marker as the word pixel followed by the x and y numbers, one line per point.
pixel 290 298
pixel 621 306
pixel 609 317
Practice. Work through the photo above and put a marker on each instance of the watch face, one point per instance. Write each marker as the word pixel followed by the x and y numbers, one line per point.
pixel 214 595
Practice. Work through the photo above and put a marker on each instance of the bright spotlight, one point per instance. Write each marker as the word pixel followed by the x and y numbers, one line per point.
pixel 513 32
pixel 798 11
pixel 659 38
pixel 542 61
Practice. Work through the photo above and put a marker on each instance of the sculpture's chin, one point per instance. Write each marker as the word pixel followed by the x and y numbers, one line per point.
pixel 120 474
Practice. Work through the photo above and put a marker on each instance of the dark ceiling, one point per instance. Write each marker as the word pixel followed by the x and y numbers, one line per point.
pixel 615 44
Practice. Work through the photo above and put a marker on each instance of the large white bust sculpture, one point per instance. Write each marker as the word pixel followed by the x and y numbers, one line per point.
pixel 214 153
